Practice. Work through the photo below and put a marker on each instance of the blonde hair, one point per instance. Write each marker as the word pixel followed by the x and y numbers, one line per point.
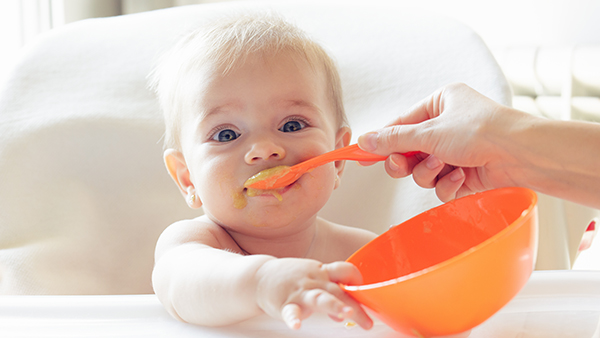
pixel 223 45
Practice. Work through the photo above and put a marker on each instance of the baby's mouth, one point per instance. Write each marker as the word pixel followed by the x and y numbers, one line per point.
pixel 251 192
pixel 264 174
pixel 267 177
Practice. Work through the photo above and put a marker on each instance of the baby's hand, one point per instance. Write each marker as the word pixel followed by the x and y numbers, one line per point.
pixel 294 288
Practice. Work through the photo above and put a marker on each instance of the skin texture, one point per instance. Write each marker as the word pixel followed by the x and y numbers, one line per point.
pixel 250 255
pixel 470 143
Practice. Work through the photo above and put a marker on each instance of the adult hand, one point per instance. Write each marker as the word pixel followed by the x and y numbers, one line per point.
pixel 460 134
pixel 470 143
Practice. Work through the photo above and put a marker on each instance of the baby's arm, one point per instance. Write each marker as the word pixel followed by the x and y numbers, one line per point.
pixel 200 283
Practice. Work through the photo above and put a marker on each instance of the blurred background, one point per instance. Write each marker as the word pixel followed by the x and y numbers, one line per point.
pixel 548 49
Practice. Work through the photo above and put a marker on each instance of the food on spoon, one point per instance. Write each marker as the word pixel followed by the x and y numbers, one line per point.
pixel 266 174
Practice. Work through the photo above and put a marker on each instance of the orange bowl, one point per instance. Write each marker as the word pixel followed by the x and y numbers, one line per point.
pixel 450 268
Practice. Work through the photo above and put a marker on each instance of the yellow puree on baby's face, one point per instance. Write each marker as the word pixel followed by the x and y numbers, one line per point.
pixel 240 202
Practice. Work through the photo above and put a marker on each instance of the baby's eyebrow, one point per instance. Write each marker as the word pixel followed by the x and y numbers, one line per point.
pixel 302 103
pixel 216 110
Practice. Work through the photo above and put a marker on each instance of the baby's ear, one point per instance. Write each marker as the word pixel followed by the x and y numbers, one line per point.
pixel 177 167
pixel 342 139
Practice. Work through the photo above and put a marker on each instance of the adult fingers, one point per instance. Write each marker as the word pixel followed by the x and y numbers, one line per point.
pixel 392 139
pixel 366 163
pixel 426 172
pixel 448 186
pixel 425 109
pixel 402 134
pixel 398 165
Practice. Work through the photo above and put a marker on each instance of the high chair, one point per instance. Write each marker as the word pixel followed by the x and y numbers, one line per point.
pixel 84 193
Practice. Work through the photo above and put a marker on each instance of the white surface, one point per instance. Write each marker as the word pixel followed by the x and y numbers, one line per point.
pixel 553 304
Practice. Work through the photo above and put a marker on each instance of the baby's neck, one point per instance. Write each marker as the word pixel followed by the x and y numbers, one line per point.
pixel 299 244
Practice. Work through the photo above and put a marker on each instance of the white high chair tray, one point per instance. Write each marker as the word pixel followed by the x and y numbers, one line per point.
pixel 552 304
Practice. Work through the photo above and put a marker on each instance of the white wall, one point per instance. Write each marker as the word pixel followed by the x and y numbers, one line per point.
pixel 524 22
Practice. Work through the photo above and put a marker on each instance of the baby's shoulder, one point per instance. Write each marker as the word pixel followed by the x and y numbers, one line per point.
pixel 199 230
pixel 348 233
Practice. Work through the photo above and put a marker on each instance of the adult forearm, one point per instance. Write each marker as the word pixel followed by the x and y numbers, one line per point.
pixel 559 158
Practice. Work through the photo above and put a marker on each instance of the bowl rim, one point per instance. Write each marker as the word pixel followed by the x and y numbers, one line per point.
pixel 517 223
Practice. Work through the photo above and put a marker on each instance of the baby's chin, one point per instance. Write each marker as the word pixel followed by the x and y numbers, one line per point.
pixel 274 218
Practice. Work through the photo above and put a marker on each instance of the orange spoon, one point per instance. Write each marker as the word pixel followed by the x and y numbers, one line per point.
pixel 282 176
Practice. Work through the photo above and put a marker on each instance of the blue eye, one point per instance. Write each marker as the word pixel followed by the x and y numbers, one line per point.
pixel 292 126
pixel 226 135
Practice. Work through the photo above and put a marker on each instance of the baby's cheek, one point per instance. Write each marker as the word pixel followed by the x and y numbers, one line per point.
pixel 220 191
pixel 319 186
pixel 323 178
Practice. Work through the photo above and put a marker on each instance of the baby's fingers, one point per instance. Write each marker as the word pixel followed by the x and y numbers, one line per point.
pixel 339 305
pixel 291 314
pixel 315 300
pixel 346 273
pixel 343 272
pixel 356 313
pixel 318 300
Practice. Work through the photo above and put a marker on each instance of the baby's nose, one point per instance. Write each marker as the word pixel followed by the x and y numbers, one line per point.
pixel 264 150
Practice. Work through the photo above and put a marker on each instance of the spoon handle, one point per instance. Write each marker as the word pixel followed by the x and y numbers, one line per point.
pixel 351 152
pixel 354 153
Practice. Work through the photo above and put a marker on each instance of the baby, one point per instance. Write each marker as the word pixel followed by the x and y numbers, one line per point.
pixel 241 96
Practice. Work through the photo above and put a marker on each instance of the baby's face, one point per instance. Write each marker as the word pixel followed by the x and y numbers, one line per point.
pixel 265 113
